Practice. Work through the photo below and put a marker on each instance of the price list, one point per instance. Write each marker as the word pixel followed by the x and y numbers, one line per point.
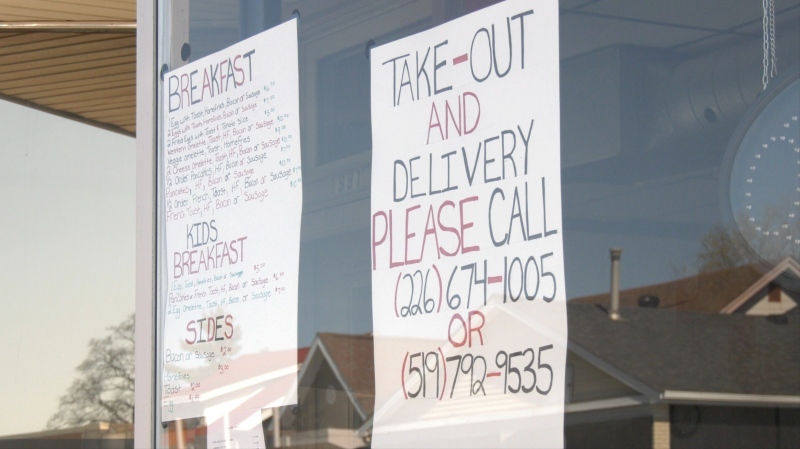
pixel 233 201
pixel 469 304
pixel 235 150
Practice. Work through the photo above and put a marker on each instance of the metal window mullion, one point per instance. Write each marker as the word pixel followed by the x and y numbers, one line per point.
pixel 145 337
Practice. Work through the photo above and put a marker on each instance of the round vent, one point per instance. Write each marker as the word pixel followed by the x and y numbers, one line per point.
pixel 649 301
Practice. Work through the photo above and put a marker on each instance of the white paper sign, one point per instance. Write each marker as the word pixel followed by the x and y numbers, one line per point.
pixel 233 192
pixel 469 304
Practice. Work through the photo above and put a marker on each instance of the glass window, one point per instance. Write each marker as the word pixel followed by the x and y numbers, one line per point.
pixel 673 150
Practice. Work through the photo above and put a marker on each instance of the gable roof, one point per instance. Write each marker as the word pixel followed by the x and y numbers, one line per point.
pixel 671 354
pixel 353 359
pixel 350 357
pixel 786 268
pixel 714 292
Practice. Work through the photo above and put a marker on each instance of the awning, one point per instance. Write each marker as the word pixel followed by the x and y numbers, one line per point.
pixel 74 58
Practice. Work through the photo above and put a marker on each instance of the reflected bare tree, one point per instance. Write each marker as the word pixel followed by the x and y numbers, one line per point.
pixel 728 246
pixel 722 248
pixel 104 389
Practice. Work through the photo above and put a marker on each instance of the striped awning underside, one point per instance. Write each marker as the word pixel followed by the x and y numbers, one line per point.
pixel 75 58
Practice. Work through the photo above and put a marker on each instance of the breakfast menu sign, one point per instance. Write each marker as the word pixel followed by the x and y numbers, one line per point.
pixel 233 196
pixel 469 304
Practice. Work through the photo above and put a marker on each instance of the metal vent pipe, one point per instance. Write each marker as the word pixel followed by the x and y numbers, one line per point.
pixel 616 254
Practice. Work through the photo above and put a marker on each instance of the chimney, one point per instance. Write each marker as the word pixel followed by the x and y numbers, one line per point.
pixel 613 312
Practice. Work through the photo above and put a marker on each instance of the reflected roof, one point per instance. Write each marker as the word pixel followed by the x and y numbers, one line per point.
pixel 659 352
pixel 352 357
pixel 722 291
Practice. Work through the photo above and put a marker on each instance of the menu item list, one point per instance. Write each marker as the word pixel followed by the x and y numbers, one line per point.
pixel 233 203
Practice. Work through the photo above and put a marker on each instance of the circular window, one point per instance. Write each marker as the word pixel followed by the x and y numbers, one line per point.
pixel 762 187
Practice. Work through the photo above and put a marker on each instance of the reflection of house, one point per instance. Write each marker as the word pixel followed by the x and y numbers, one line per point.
pixel 654 378
pixel 97 435
pixel 336 394
pixel 748 289
pixel 663 378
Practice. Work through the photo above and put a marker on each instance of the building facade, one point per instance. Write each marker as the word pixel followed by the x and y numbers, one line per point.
pixel 666 112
